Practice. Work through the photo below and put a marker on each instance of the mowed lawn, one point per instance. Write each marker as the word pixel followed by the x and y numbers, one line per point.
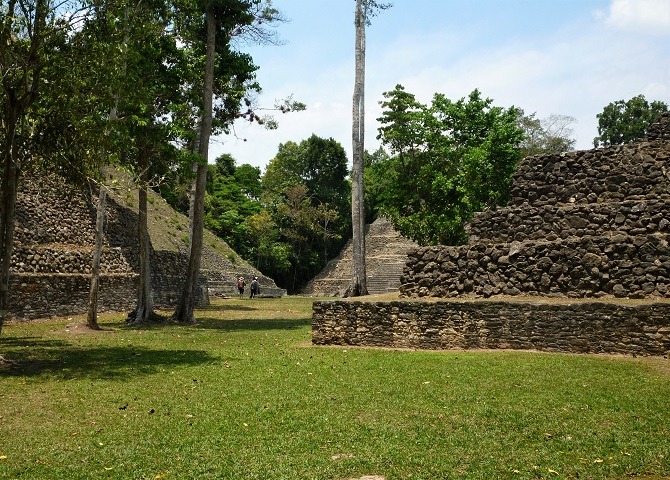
pixel 244 395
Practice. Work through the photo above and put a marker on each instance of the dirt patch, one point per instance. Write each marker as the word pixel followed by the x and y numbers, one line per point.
pixel 82 328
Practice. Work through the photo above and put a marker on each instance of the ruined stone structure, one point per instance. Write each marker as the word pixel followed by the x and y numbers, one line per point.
pixel 53 250
pixel 583 225
pixel 385 257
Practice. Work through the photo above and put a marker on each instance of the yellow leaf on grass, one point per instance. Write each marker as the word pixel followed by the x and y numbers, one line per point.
pixel 598 460
pixel 3 457
pixel 161 475
pixel 552 471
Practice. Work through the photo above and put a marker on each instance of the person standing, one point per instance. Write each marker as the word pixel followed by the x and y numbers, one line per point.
pixel 240 285
pixel 255 290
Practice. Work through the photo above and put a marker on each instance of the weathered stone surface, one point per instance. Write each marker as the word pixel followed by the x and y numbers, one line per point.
pixel 581 327
pixel 53 250
pixel 386 254
pixel 584 225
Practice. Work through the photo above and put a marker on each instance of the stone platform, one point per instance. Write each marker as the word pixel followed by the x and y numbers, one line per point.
pixel 578 262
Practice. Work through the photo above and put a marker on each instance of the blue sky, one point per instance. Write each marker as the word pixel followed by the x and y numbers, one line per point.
pixel 567 57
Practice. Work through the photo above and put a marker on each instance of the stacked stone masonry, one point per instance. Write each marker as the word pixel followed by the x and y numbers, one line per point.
pixel 592 327
pixel 591 226
pixel 53 251
pixel 581 224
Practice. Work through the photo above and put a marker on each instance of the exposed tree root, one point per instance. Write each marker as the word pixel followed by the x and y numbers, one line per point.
pixel 5 361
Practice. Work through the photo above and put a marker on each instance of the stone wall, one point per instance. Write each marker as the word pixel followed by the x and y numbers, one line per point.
pixel 611 174
pixel 585 327
pixel 52 255
pixel 47 295
pixel 619 266
pixel 581 225
pixel 554 222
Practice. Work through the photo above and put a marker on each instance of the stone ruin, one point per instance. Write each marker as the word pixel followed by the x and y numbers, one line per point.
pixel 385 257
pixel 579 262
pixel 53 250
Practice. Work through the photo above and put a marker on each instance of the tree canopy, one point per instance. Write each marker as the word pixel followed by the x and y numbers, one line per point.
pixel 625 121
pixel 448 160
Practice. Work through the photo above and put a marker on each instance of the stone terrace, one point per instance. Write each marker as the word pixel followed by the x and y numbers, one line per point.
pixel 53 249
pixel 580 225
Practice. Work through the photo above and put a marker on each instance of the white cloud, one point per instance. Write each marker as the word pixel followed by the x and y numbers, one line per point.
pixel 642 16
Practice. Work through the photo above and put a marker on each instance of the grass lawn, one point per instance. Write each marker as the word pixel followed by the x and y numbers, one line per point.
pixel 243 395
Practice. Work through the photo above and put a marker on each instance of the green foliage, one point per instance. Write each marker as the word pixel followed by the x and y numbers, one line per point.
pixel 449 160
pixel 306 193
pixel 626 121
pixel 228 202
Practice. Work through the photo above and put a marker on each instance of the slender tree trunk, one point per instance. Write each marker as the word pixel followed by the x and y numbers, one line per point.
pixel 184 310
pixel 191 192
pixel 144 312
pixel 92 318
pixel 9 187
pixel 145 305
pixel 358 285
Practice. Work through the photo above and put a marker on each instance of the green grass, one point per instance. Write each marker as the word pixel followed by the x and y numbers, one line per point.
pixel 244 395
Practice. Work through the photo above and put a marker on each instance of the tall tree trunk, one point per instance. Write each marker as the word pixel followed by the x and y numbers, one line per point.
pixel 92 317
pixel 144 312
pixel 184 310
pixel 358 285
pixel 145 304
pixel 191 192
pixel 9 187
pixel 17 97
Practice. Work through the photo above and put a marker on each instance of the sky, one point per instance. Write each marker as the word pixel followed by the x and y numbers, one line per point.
pixel 563 57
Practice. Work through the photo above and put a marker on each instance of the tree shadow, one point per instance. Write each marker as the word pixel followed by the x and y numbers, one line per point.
pixel 65 361
pixel 227 308
pixel 251 325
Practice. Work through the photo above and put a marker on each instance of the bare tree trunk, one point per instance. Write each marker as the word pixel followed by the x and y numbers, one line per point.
pixel 184 311
pixel 9 187
pixel 144 312
pixel 191 193
pixel 145 304
pixel 358 285
pixel 92 318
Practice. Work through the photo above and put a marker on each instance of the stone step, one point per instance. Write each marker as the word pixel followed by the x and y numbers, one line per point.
pixel 620 266
pixel 631 217
pixel 600 175
pixel 386 254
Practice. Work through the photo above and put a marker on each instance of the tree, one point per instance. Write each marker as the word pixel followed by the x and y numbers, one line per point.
pixel 626 121
pixel 31 34
pixel 448 161
pixel 365 9
pixel 552 134
pixel 232 196
pixel 223 19
pixel 305 192
pixel 142 71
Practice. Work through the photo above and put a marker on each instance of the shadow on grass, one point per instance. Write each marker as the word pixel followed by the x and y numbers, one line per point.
pixel 227 308
pixel 252 325
pixel 31 358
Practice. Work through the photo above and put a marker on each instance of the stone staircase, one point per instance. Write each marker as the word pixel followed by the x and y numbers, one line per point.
pixel 386 255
